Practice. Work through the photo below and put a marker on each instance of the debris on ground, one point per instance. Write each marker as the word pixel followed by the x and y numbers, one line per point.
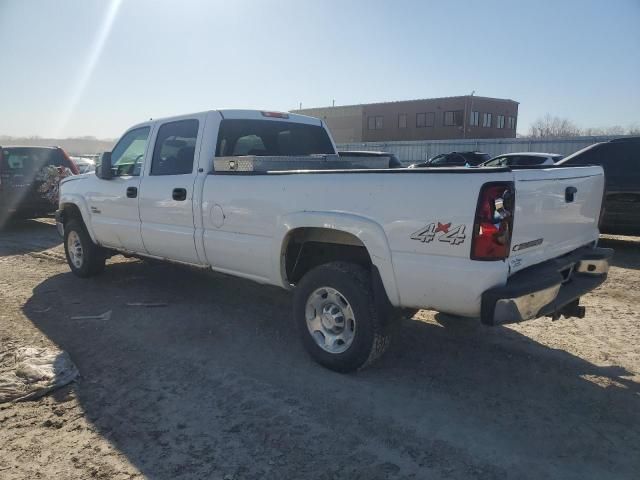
pixel 27 373
pixel 103 316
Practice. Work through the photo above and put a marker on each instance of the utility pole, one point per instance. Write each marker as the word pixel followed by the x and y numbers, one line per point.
pixel 466 115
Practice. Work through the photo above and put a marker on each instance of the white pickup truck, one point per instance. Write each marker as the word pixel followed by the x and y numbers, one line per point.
pixel 262 195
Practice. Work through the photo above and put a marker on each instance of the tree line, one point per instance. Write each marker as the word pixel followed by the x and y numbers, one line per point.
pixel 552 127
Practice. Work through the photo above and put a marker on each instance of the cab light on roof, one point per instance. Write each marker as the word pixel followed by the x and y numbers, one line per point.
pixel 275 114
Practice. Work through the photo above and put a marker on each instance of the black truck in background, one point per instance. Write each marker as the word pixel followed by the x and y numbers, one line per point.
pixel 620 159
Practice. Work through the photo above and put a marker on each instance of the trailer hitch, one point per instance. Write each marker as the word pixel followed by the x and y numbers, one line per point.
pixel 572 309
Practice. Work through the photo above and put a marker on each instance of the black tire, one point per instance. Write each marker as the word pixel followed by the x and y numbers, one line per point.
pixel 93 256
pixel 371 337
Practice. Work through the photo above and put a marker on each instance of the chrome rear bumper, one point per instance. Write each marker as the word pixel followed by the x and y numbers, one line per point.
pixel 550 288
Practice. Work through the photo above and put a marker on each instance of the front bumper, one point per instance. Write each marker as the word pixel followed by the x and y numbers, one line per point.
pixel 550 288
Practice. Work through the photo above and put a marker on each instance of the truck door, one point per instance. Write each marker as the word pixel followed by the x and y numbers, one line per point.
pixel 166 196
pixel 114 203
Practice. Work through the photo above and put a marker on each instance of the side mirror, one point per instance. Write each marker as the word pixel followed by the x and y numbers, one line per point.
pixel 104 170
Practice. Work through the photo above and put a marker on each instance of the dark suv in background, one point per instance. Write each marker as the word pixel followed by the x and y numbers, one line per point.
pixel 19 179
pixel 620 159
pixel 455 159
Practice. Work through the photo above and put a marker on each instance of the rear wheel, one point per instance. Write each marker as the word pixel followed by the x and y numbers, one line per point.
pixel 338 318
pixel 84 257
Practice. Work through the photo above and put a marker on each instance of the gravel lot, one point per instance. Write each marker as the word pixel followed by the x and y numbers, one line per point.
pixel 217 385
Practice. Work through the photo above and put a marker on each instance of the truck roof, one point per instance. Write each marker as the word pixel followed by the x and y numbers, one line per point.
pixel 269 115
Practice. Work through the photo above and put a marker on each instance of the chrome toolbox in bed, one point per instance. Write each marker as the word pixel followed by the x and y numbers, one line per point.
pixel 252 163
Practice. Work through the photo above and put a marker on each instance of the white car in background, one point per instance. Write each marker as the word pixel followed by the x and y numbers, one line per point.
pixel 523 159
pixel 85 165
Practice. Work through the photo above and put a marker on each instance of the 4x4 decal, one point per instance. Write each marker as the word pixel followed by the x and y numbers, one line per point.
pixel 444 232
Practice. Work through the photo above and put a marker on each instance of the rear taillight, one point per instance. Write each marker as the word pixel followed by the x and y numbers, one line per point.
pixel 494 222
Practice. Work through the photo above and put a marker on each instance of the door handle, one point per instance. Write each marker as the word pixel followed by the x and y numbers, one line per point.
pixel 132 192
pixel 180 194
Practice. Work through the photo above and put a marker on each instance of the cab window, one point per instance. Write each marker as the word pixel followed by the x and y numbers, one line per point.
pixel 175 148
pixel 127 156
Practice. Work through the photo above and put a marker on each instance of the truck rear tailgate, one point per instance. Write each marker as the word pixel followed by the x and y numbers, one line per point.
pixel 557 211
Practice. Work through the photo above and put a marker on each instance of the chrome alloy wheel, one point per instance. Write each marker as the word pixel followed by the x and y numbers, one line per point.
pixel 74 247
pixel 330 320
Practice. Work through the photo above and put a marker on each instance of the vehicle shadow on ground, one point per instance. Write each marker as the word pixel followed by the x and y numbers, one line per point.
pixel 627 250
pixel 216 383
pixel 42 235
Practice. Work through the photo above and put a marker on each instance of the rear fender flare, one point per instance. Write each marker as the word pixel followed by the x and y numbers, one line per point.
pixel 370 233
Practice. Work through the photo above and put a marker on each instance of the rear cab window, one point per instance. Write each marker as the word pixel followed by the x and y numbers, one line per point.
pixel 238 137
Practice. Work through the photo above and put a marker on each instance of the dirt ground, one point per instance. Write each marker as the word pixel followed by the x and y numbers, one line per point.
pixel 216 384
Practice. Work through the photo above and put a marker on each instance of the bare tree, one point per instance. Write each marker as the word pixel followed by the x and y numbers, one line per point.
pixel 550 127
pixel 615 130
pixel 633 130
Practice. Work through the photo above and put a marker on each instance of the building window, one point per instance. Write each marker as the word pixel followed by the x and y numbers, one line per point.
pixel 500 121
pixel 425 119
pixel 474 121
pixel 486 120
pixel 402 120
pixel 512 123
pixel 453 119
pixel 375 123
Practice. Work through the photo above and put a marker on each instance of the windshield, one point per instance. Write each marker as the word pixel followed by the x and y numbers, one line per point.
pixel 271 138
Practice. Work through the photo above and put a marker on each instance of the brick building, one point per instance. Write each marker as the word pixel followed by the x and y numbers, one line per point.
pixel 428 119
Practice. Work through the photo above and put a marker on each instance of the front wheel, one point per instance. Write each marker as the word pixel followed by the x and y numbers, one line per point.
pixel 337 317
pixel 84 257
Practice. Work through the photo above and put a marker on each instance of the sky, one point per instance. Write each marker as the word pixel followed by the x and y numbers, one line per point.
pixel 95 67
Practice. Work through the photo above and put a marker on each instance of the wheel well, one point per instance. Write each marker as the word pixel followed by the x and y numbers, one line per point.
pixel 306 248
pixel 71 211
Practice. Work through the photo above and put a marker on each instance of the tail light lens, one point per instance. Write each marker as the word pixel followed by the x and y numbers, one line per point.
pixel 494 222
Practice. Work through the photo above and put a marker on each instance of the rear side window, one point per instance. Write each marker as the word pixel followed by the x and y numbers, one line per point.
pixel 271 138
pixel 587 156
pixel 29 161
pixel 528 160
pixel 629 158
pixel 498 162
pixel 175 148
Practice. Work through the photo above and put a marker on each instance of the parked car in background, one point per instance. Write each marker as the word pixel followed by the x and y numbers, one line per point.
pixel 20 179
pixel 523 159
pixel 620 159
pixel 455 159
pixel 394 162
pixel 85 165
